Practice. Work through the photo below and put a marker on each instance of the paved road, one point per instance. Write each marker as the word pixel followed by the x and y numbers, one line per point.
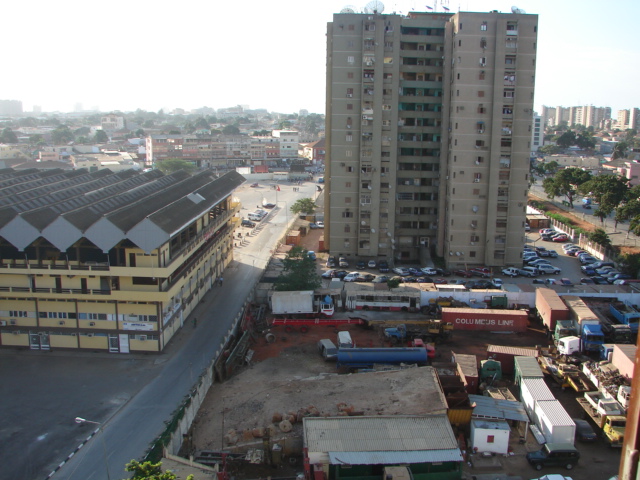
pixel 130 395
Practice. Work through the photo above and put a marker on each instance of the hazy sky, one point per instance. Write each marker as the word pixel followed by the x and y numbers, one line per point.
pixel 123 55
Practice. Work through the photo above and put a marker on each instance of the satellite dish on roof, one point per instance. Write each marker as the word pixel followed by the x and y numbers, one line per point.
pixel 515 9
pixel 374 6
pixel 348 9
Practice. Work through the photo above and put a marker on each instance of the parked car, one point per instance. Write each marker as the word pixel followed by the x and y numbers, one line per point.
pixel 403 272
pixel 351 277
pixel 554 455
pixel 383 266
pixel 254 185
pixel 463 273
pixel 542 251
pixel 439 281
pixel 588 269
pixel 415 271
pixel 480 285
pixel 603 270
pixel 587 281
pixel 584 431
pixel 551 281
pixel 566 281
pixel 481 272
pixel 247 223
pixel 365 277
pixel 381 279
pixel 620 276
pixel 538 281
pixel 269 205
pixel 510 272
pixel 331 261
pixel 313 226
pixel 361 265
pixel 552 254
pixel 546 237
pixel 586 259
pixel 567 246
pixel 498 282
pixel 443 271
pixel 312 255
pixel 599 280
pixel 560 238
pixel 548 269
pixel 342 262
pixel 539 261
pixel 546 231
pixel 429 271
pixel 528 272
pixel 320 224
pixel 603 264
pixel 371 264
pixel 328 274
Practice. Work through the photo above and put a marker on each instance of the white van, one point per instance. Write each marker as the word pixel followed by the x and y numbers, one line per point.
pixel 344 340
pixel 255 217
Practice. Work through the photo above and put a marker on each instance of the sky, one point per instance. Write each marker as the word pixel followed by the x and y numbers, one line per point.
pixel 123 55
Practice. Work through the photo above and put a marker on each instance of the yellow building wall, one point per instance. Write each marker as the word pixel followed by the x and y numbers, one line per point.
pixel 15 280
pixel 20 306
pixel 46 306
pixel 137 309
pixel 101 343
pixel 59 322
pixel 11 340
pixel 97 307
pixel 63 341
pixel 98 324
pixel 143 345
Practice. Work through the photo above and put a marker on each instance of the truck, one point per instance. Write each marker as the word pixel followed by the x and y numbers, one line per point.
pixel 607 414
pixel 589 329
pixel 626 314
pixel 550 308
pixel 570 376
pixel 426 331
pixel 367 358
pixel 298 303
pixel 565 328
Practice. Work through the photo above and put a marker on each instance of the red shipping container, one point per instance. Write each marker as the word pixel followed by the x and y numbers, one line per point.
pixel 491 320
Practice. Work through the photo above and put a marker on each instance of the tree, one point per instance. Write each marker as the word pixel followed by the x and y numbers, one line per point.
pixel 201 124
pixel 549 149
pixel 230 130
pixel 600 237
pixel 585 141
pixel 62 135
pixel 8 136
pixel 299 272
pixel 140 133
pixel 261 133
pixel 609 191
pixel 630 264
pixel 84 131
pixel 170 165
pixel 620 150
pixel 566 140
pixel 565 183
pixel 303 205
pixel 101 137
pixel 150 471
pixel 550 167
pixel 393 282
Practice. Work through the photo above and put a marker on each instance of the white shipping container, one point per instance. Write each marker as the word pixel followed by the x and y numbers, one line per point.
pixel 532 390
pixel 554 422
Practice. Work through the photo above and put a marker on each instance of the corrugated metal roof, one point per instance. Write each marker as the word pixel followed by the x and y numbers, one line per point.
pixel 379 434
pixel 468 363
pixel 387 458
pixel 555 412
pixel 487 407
pixel 487 311
pixel 537 388
pixel 528 367
pixel 628 350
pixel 518 351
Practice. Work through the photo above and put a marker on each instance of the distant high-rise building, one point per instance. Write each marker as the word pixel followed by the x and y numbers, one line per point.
pixel 428 137
pixel 10 107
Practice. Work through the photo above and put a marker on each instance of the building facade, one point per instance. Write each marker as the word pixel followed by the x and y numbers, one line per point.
pixel 429 123
pixel 109 261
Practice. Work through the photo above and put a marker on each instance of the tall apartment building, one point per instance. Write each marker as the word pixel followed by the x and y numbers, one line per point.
pixel 428 135
pixel 537 136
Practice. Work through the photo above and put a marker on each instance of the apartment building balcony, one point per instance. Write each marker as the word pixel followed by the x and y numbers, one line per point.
pixel 423 84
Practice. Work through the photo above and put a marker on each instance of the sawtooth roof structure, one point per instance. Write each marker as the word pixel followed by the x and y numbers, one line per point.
pixel 104 207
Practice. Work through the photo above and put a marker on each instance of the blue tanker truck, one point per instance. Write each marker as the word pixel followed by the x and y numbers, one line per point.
pixel 368 357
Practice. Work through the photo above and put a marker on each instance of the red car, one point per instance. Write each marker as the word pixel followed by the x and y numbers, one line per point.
pixel 463 273
pixel 560 238
pixel 481 272
pixel 439 281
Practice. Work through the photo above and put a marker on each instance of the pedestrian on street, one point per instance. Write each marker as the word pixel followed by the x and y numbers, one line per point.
pixel 220 280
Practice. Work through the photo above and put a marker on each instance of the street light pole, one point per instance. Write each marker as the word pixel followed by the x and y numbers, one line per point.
pixel 81 420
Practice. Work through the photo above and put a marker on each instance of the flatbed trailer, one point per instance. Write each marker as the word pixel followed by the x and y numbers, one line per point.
pixel 611 425
pixel 304 323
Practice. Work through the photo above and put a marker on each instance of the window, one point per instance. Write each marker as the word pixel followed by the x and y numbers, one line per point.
pixel 481 75
pixel 349 138
pixel 347 228
pixel 351 27
pixel 349 106
pixel 483 27
pixel 476 191
pixel 490 438
pixel 347 214
pixel 351 59
pixel 349 74
pixel 347 199
pixel 472 254
pixel 480 93
pixel 349 92
pixel 347 184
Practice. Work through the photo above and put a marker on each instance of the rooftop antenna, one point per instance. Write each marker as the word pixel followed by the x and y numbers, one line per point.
pixel 348 9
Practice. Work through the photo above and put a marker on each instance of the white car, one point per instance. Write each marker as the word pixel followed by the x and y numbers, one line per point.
pixel 510 272
pixel 498 282
pixel 320 224
pixel 351 277
pixel 429 271
pixel 403 272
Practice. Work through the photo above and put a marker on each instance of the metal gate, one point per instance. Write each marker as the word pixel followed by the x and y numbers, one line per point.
pixel 114 346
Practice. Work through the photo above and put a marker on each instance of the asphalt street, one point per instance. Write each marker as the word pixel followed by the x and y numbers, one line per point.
pixel 129 396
